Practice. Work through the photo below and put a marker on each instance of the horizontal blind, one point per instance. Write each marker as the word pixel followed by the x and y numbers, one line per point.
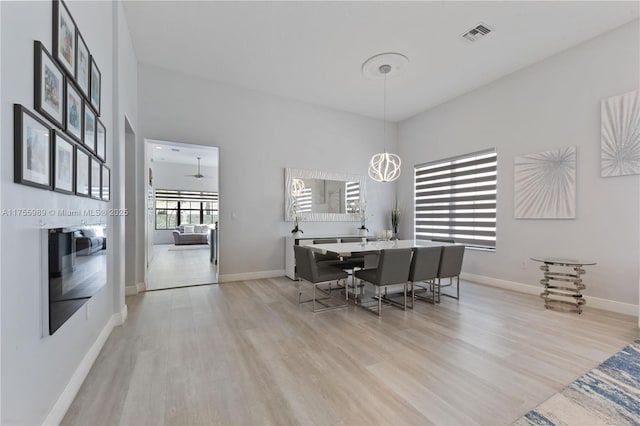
pixel 353 196
pixel 197 196
pixel 456 198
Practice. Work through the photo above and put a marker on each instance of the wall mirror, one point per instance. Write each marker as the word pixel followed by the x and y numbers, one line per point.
pixel 318 196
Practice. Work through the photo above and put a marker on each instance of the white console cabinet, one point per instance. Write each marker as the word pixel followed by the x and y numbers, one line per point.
pixel 289 257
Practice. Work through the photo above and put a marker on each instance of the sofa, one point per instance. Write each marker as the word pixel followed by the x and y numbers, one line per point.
pixel 191 234
pixel 90 239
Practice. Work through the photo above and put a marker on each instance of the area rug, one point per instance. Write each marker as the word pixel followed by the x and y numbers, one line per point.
pixel 189 247
pixel 607 395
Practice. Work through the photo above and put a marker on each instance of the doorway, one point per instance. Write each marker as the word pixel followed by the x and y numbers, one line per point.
pixel 183 215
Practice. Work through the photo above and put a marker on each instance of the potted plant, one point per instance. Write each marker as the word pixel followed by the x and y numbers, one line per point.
pixel 395 220
pixel 295 216
pixel 359 210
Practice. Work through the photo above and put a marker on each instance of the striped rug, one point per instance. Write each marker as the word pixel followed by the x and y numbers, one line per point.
pixel 606 395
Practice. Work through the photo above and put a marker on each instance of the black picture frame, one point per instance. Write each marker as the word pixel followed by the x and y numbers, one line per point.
pixel 32 149
pixel 95 88
pixel 101 141
pixel 48 86
pixel 83 184
pixel 106 183
pixel 74 111
pixel 95 179
pixel 64 163
pixel 64 37
pixel 89 127
pixel 83 65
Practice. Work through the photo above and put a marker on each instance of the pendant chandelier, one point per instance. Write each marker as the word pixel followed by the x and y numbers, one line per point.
pixel 384 166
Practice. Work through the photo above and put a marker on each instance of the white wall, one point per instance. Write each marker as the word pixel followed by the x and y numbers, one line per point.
pixel 258 136
pixel 127 115
pixel 36 370
pixel 174 176
pixel 550 104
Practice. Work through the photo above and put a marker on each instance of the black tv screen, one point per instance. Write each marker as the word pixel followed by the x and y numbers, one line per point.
pixel 77 269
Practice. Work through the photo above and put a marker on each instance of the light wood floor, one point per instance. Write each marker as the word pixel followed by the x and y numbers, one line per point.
pixel 180 266
pixel 246 353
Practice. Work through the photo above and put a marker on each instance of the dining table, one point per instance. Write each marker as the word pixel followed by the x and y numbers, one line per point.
pixel 372 247
pixel 370 250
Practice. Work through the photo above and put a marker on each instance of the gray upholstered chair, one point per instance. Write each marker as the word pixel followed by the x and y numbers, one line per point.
pixel 353 262
pixel 328 258
pixel 443 240
pixel 423 273
pixel 393 269
pixel 450 267
pixel 308 270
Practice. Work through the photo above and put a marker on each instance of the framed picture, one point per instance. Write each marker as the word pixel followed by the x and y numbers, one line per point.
pixel 82 173
pixel 73 122
pixel 82 65
pixel 64 37
pixel 48 86
pixel 96 79
pixel 63 163
pixel 89 128
pixel 96 185
pixel 106 183
pixel 32 149
pixel 101 141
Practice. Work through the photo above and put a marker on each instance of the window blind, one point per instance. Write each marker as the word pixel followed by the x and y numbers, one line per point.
pixel 456 198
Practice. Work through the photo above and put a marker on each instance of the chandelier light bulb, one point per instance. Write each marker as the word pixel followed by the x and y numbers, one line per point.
pixel 297 187
pixel 384 167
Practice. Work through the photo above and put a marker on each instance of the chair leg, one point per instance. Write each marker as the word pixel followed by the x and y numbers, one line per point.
pixel 405 296
pixel 457 296
pixel 314 298
pixel 379 302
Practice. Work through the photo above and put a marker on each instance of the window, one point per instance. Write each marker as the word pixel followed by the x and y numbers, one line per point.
pixel 174 208
pixel 456 198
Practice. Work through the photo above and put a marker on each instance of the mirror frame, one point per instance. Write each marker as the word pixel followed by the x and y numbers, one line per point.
pixel 290 174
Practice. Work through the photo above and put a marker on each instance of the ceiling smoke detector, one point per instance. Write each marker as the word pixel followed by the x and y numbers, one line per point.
pixel 477 32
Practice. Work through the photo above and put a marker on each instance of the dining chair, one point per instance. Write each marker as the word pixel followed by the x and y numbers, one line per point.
pixel 393 269
pixel 308 270
pixel 327 258
pixel 450 267
pixel 425 264
pixel 353 262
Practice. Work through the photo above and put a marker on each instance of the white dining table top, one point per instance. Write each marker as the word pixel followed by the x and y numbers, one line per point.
pixel 346 249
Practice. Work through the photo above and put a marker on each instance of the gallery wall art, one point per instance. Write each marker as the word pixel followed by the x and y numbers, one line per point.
pixel 620 140
pixel 545 184
pixel 67 150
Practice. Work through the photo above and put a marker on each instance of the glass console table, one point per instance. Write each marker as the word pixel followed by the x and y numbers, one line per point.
pixel 563 297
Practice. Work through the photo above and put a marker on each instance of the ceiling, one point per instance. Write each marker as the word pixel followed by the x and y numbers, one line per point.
pixel 182 153
pixel 313 51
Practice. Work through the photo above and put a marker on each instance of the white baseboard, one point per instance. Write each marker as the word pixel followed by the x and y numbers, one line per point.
pixel 251 276
pixel 121 318
pixel 70 391
pixel 594 302
pixel 132 290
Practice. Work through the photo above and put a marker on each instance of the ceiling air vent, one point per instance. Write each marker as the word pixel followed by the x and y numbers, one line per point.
pixel 476 32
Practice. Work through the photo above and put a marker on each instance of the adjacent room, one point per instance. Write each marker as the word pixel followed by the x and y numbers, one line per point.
pixel 264 212
pixel 183 182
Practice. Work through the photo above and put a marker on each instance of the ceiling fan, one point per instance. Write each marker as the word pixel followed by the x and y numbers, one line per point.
pixel 198 175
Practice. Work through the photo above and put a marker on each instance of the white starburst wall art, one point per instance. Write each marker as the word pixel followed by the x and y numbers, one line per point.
pixel 620 142
pixel 545 184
